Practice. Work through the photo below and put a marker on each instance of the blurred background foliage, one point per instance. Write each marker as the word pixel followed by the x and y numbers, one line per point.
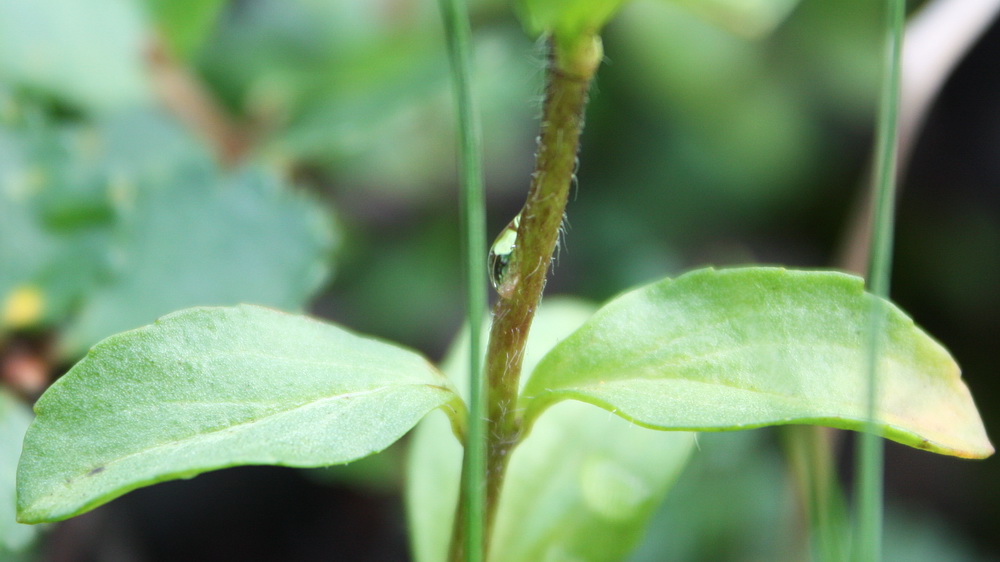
pixel 158 154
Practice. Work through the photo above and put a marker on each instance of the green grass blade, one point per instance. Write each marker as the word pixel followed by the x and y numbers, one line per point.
pixel 457 32
pixel 868 520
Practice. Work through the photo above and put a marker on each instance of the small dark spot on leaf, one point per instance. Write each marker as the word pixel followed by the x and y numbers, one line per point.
pixel 94 471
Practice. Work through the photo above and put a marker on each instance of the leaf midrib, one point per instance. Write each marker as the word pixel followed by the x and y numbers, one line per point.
pixel 178 443
pixel 593 376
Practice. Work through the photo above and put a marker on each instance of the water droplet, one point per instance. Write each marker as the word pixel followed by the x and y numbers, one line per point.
pixel 501 251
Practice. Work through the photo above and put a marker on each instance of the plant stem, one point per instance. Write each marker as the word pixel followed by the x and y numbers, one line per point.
pixel 571 66
pixel 186 97
pixel 868 533
pixel 810 455
pixel 473 204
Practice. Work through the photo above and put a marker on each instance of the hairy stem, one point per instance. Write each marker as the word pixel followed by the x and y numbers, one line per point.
pixel 571 66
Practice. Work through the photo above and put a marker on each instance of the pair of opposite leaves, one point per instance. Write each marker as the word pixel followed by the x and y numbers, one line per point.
pixel 208 388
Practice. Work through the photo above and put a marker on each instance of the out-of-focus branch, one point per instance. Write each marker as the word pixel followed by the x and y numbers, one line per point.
pixel 937 39
pixel 186 97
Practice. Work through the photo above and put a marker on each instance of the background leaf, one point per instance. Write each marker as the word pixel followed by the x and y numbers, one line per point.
pixel 733 503
pixel 245 231
pixel 752 18
pixel 51 46
pixel 117 223
pixel 347 86
pixel 581 486
pixel 208 388
pixel 14 420
pixel 742 348
pixel 55 215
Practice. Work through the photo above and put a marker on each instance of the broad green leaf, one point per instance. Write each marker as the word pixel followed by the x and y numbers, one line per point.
pixel 208 388
pixel 566 18
pixel 581 486
pixel 14 420
pixel 742 348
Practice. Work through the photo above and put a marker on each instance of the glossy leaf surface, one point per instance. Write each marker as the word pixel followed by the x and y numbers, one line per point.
pixel 742 348
pixel 581 486
pixel 208 388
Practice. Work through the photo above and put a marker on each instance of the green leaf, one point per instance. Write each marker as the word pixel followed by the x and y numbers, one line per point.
pixel 204 237
pixel 732 504
pixel 742 348
pixel 54 222
pixel 346 89
pixel 208 388
pixel 106 227
pixel 14 420
pixel 586 486
pixel 581 486
pixel 89 54
pixel 566 18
